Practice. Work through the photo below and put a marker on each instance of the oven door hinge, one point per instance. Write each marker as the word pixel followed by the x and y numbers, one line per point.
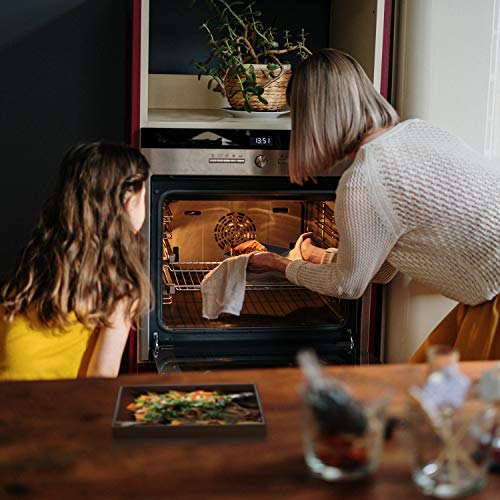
pixel 165 359
pixel 156 345
pixel 351 341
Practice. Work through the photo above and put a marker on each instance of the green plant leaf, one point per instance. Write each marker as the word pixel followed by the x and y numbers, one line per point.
pixel 247 107
pixel 272 66
pixel 262 100
pixel 228 21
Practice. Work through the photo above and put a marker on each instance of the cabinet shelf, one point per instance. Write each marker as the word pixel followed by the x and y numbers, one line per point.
pixel 213 118
pixel 167 98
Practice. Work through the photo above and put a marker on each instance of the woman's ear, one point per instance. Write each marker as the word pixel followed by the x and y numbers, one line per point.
pixel 135 206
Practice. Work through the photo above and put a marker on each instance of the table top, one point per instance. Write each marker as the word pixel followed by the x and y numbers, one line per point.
pixel 56 442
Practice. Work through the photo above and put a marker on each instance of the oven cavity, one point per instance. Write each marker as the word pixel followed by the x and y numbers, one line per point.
pixel 190 251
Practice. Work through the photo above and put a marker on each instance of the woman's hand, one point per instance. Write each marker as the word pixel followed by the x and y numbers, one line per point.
pixel 261 262
pixel 310 252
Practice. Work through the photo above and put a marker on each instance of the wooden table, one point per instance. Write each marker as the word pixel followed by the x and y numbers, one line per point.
pixel 56 442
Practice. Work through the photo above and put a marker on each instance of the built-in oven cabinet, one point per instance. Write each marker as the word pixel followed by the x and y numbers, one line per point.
pixel 172 99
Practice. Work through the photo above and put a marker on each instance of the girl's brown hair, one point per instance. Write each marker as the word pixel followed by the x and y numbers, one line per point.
pixel 333 105
pixel 84 255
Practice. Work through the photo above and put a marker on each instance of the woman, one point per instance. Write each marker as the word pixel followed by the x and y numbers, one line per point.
pixel 415 199
pixel 67 310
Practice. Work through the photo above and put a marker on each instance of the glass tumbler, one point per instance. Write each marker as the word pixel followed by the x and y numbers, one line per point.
pixel 450 457
pixel 343 434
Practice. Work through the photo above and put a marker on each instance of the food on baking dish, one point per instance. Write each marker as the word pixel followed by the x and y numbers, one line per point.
pixel 248 247
pixel 196 407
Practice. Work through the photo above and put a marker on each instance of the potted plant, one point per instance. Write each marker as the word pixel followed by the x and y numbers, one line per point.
pixel 245 61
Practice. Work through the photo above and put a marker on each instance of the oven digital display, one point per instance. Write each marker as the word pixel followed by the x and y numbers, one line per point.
pixel 215 138
pixel 261 141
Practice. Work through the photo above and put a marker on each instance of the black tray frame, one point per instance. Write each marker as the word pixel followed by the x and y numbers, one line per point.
pixel 127 393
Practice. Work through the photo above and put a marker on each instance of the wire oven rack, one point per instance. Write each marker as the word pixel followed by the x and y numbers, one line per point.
pixel 325 230
pixel 271 302
pixel 187 276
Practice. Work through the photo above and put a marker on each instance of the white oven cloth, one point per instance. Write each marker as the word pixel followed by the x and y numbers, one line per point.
pixel 223 288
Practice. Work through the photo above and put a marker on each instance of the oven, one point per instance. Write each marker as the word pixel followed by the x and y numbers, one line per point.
pixel 211 189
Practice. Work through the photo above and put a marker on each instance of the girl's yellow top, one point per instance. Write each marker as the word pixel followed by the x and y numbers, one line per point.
pixel 30 351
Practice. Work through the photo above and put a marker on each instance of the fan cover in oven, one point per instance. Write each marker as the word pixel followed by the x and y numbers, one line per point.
pixel 234 228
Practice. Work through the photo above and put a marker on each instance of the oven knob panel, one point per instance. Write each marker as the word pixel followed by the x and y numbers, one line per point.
pixel 261 161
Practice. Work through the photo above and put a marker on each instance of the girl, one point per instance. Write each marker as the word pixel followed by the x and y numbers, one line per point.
pixel 415 199
pixel 67 309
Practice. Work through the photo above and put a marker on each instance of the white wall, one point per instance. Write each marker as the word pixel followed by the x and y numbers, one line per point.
pixel 447 72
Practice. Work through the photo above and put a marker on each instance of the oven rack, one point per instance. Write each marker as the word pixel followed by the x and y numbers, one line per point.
pixel 187 276
pixel 324 221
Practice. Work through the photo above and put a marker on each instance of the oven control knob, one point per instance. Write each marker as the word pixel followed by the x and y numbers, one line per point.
pixel 261 161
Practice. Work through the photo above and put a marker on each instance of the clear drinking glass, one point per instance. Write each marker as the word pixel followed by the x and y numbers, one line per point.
pixel 340 447
pixel 451 459
pixel 450 439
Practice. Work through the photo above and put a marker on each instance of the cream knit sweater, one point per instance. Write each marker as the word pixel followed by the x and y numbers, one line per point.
pixel 417 200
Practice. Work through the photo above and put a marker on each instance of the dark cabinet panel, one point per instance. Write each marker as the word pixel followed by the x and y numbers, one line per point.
pixel 176 37
pixel 65 79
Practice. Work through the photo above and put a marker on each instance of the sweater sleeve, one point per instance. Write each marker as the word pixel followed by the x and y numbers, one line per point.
pixel 367 237
pixel 384 275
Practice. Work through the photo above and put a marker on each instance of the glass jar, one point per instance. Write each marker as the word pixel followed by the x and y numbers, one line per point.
pixel 451 429
pixel 344 442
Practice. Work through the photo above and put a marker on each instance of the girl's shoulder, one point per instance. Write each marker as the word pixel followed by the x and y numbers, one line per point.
pixel 29 322
pixel 31 350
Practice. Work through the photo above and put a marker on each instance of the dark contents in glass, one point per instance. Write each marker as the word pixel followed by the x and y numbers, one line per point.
pixel 342 438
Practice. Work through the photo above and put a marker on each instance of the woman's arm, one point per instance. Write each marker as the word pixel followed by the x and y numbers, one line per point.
pixel 366 239
pixel 262 262
pixel 107 354
pixel 317 255
pixel 385 274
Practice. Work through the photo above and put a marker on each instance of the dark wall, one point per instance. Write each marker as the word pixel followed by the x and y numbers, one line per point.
pixel 176 38
pixel 64 79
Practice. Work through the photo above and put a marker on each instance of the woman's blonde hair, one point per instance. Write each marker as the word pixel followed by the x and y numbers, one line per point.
pixel 333 105
pixel 84 254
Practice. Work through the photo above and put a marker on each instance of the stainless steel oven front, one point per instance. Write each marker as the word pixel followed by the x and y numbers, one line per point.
pixel 210 190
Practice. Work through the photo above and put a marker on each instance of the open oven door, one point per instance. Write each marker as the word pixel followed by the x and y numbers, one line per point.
pixel 193 223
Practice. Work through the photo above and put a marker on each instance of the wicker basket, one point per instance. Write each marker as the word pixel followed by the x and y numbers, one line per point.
pixel 275 93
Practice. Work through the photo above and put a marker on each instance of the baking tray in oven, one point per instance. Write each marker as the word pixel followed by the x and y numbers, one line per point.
pixel 124 424
pixel 270 248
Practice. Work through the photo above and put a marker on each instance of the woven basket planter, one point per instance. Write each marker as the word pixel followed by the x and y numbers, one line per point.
pixel 274 93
